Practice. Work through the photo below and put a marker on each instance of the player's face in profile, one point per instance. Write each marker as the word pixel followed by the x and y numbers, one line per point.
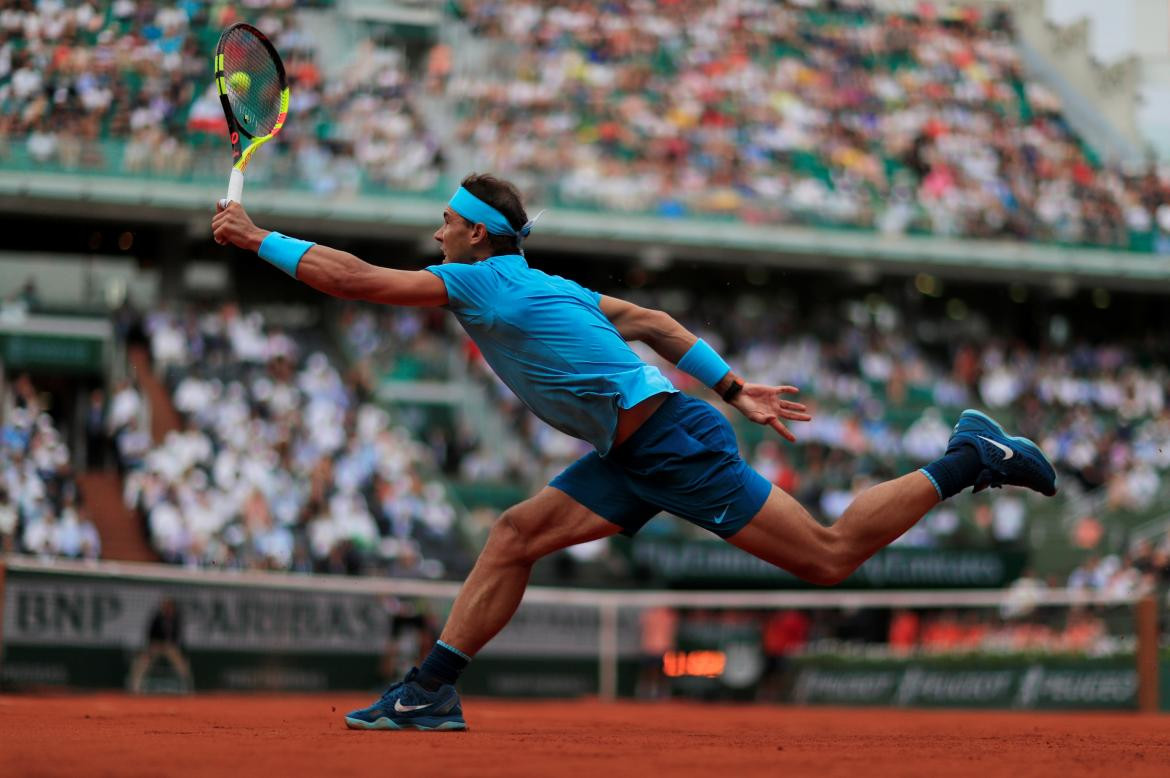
pixel 454 237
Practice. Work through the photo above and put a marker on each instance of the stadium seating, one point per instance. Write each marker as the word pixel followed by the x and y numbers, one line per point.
pixel 817 113
pixel 823 114
pixel 883 399
pixel 830 114
pixel 42 511
pixel 127 90
pixel 282 463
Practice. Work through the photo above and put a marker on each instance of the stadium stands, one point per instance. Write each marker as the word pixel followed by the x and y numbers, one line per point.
pixel 829 114
pixel 282 463
pixel 42 511
pixel 127 90
pixel 825 113
pixel 883 399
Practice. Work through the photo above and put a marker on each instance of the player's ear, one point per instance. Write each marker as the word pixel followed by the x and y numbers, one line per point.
pixel 479 233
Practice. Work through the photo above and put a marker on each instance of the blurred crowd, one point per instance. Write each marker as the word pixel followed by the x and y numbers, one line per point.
pixel 1026 628
pixel 282 462
pixel 884 385
pixel 74 73
pixel 825 112
pixel 41 507
pixel 1145 568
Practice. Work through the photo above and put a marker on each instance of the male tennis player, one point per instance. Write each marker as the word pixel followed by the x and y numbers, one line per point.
pixel 562 349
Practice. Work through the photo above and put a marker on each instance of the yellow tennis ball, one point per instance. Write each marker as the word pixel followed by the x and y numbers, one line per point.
pixel 240 81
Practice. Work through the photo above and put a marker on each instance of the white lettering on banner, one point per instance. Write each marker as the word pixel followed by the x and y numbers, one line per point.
pixel 34 673
pixel 64 614
pixel 893 569
pixel 84 612
pixel 965 687
pixel 1075 686
pixel 888 568
pixel 859 687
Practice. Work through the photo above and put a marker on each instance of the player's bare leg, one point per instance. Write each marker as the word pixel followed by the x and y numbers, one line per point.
pixel 979 454
pixel 545 523
pixel 784 534
pixel 426 698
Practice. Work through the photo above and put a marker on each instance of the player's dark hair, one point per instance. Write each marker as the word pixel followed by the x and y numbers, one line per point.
pixel 505 198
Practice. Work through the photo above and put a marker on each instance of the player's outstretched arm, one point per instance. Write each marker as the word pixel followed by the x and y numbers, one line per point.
pixel 334 272
pixel 760 403
pixel 657 329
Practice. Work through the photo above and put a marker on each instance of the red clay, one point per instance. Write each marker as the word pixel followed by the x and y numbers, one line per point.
pixel 285 736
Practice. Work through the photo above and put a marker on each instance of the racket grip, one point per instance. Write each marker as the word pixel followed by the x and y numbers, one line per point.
pixel 235 192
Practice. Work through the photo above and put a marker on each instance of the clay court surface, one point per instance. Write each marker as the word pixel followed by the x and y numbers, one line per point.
pixel 270 736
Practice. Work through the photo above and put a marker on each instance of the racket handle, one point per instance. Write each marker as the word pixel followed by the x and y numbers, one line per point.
pixel 236 187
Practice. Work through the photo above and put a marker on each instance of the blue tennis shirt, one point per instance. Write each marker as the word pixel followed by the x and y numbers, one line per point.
pixel 547 339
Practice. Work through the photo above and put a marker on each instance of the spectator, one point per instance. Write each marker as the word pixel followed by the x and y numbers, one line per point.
pixel 276 467
pixel 97 441
pixel 40 508
pixel 8 523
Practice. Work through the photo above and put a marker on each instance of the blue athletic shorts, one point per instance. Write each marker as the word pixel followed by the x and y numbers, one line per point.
pixel 684 460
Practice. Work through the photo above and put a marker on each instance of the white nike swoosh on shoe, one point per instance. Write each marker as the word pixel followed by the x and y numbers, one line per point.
pixel 400 708
pixel 1007 452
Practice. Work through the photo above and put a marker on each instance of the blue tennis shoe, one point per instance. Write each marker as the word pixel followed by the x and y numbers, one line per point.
pixel 1006 459
pixel 407 705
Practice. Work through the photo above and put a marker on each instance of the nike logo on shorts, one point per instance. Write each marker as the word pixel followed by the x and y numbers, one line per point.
pixel 1007 452
pixel 719 518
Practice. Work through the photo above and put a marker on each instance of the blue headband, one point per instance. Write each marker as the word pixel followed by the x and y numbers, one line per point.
pixel 477 211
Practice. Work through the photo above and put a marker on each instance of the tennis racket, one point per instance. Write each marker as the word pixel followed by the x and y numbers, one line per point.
pixel 254 93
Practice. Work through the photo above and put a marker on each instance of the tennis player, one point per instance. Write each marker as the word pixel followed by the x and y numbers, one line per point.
pixel 563 350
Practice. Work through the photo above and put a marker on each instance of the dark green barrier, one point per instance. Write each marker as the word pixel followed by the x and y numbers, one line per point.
pixel 1164 680
pixel 108 668
pixel 715 564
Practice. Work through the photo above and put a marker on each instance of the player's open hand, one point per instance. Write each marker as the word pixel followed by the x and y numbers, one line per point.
pixel 766 405
pixel 231 224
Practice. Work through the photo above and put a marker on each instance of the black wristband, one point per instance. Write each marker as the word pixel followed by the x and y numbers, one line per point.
pixel 735 388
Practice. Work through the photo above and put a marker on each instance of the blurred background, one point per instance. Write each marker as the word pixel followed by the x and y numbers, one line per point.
pixel 904 208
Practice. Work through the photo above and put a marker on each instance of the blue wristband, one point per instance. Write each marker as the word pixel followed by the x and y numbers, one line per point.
pixel 283 251
pixel 704 364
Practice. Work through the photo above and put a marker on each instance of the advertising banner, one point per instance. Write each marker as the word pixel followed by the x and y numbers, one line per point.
pixel 713 564
pixel 1049 683
pixel 86 631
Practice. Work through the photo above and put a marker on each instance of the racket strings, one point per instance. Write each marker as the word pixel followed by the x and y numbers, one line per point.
pixel 253 82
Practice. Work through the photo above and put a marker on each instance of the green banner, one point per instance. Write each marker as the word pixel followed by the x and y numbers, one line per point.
pixel 977 682
pixel 715 564
pixel 62 353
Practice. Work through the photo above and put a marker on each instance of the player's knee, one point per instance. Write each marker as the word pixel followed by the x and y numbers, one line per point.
pixel 507 541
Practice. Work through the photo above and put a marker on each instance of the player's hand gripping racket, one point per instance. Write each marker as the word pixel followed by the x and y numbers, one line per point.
pixel 254 93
